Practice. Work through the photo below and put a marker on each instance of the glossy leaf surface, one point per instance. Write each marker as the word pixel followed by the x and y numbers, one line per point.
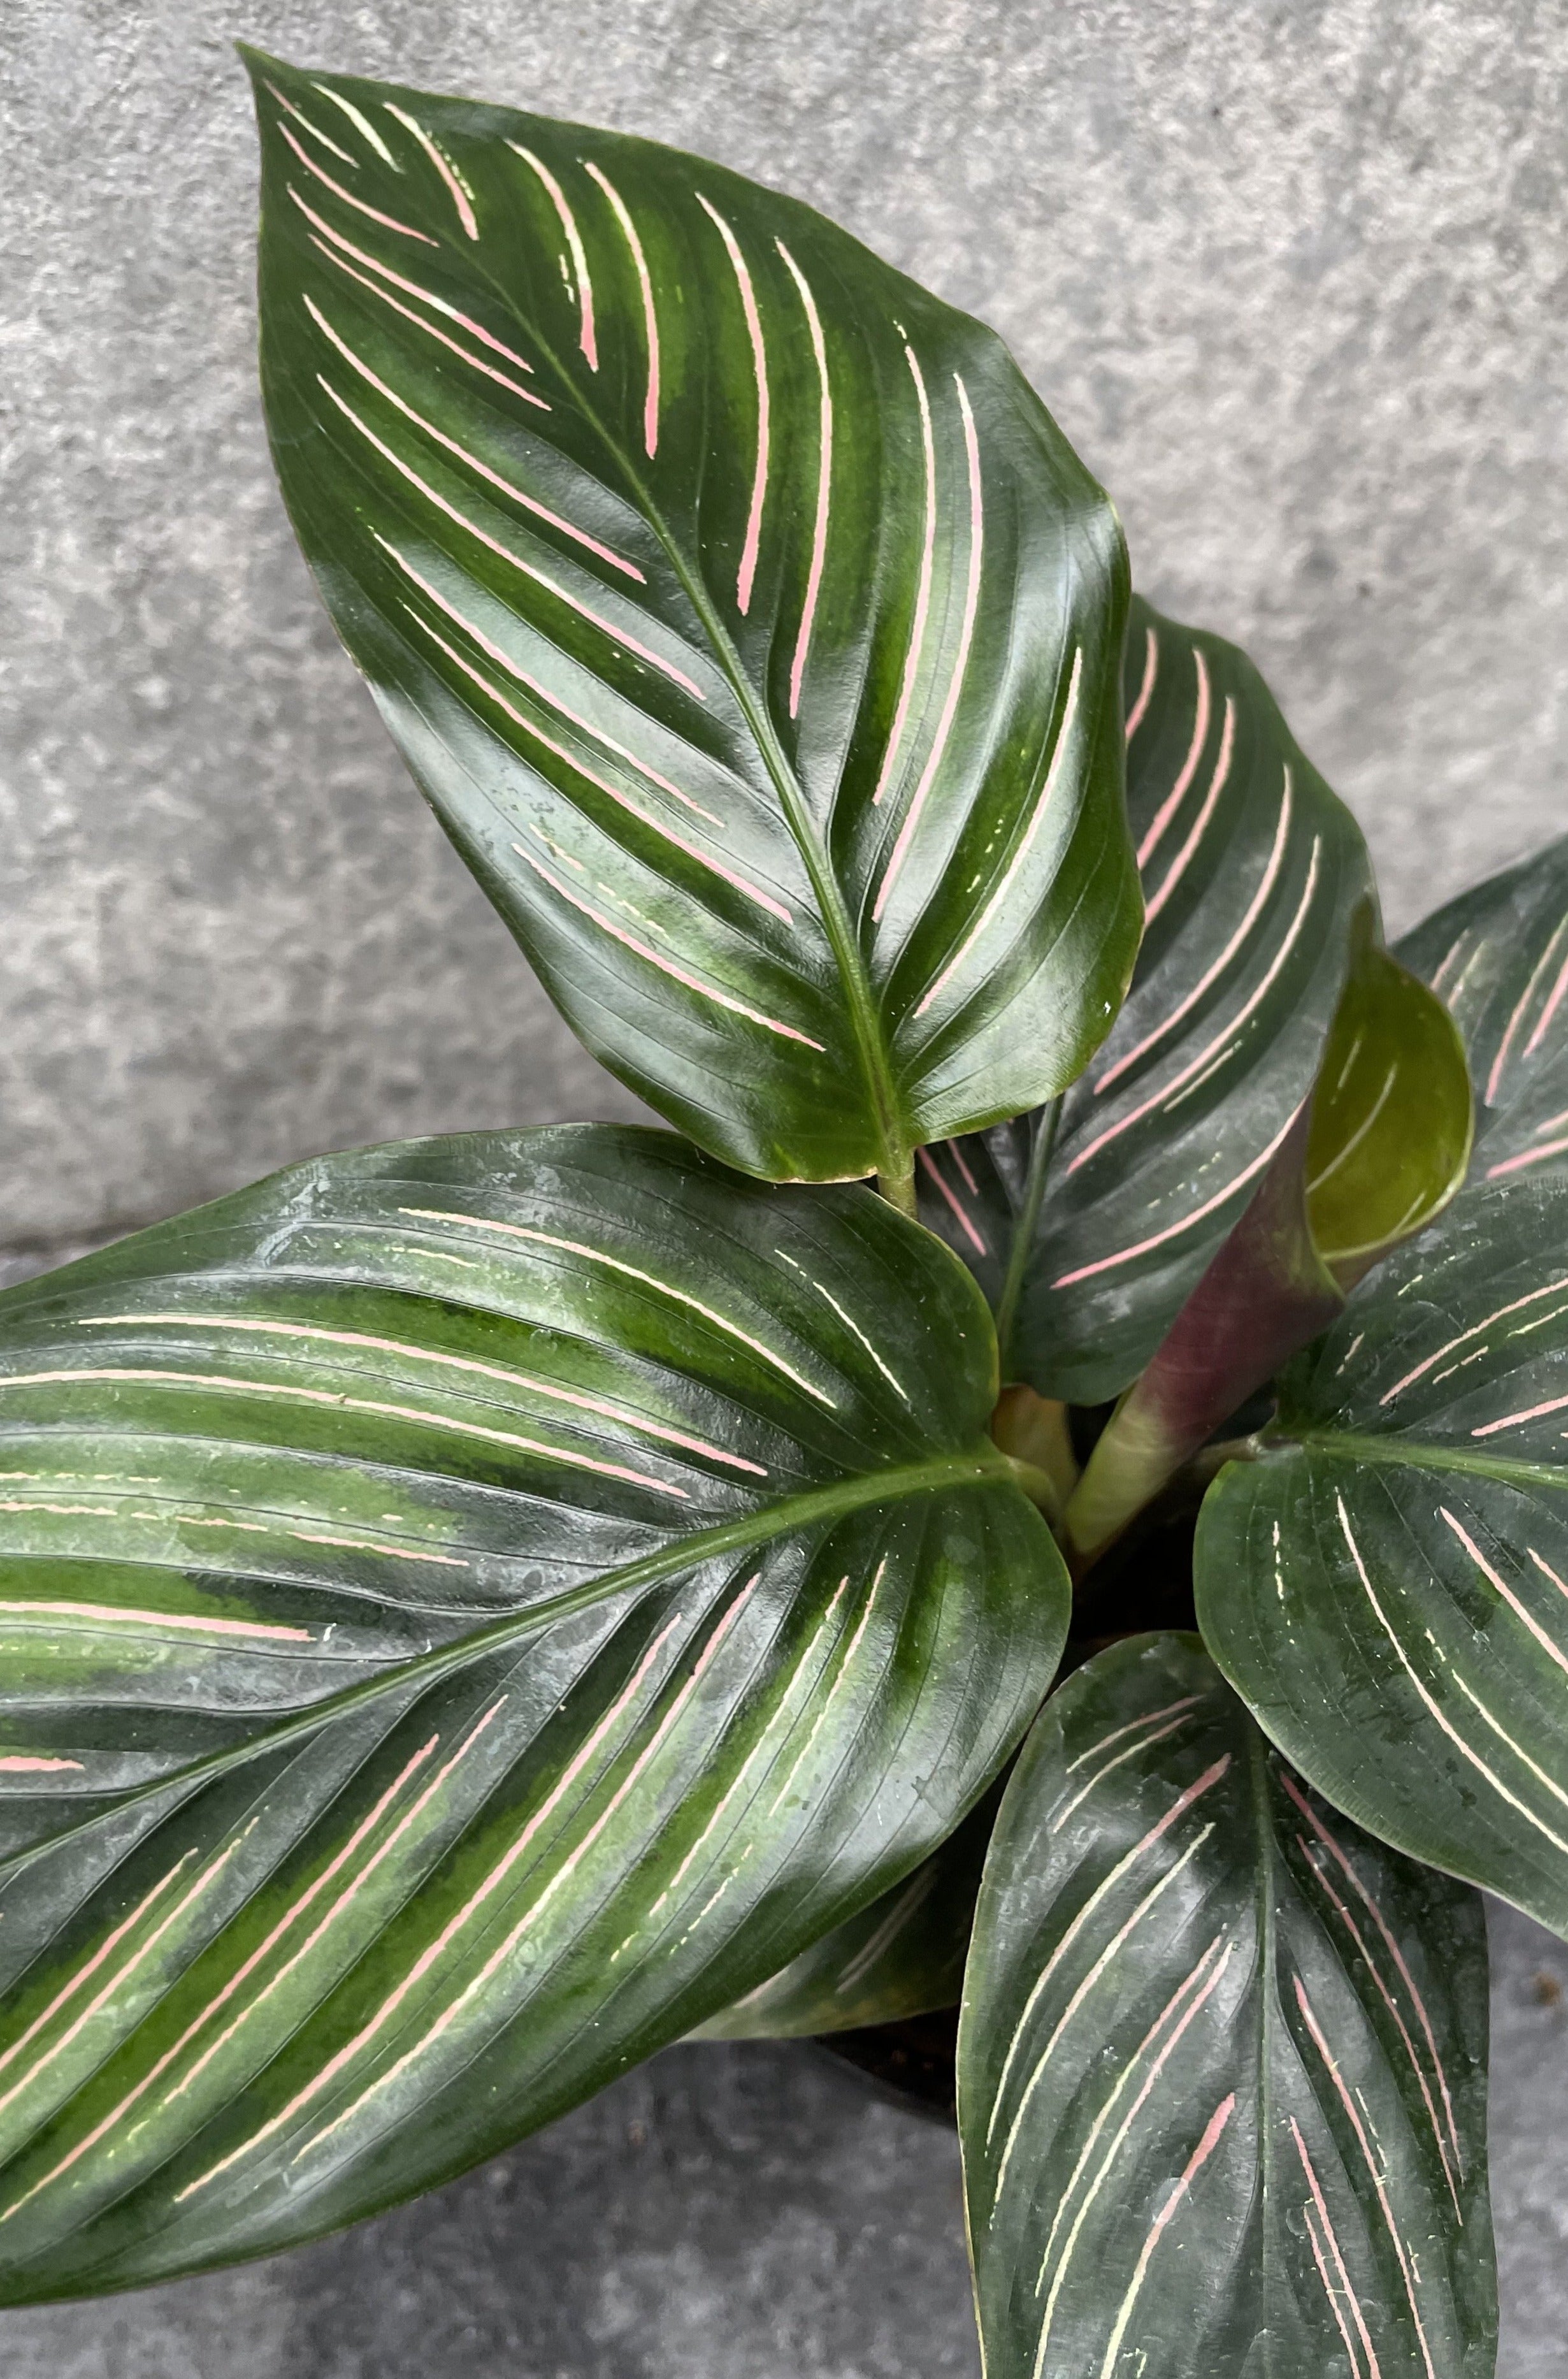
pixel 469 1612
pixel 1380 1148
pixel 1264 1296
pixel 1388 1585
pixel 901 1956
pixel 1252 871
pixel 1499 957
pixel 1221 2064
pixel 748 623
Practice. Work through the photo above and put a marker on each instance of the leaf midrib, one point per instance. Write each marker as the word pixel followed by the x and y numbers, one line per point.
pixel 1264 1918
pixel 870 1038
pixel 1047 1125
pixel 984 1465
pixel 1400 1453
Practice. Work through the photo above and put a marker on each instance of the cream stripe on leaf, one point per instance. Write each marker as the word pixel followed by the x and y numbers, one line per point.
pixel 470 1611
pixel 903 1955
pixel 804 539
pixel 1408 1512
pixel 1252 872
pixel 1192 2006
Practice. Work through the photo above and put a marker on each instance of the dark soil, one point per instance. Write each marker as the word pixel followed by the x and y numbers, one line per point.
pixel 910 2062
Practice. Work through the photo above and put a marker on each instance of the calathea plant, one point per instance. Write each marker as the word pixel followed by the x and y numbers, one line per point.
pixel 479 1610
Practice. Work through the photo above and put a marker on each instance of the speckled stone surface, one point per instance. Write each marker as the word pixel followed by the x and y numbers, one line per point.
pixel 1294 278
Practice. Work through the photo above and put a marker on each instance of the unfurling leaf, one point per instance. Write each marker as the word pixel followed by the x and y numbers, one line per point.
pixel 1038 1431
pixel 741 613
pixel 1387 1584
pixel 468 1612
pixel 1498 957
pixel 1382 1148
pixel 902 1956
pixel 1252 872
pixel 1221 2063
pixel 1393 1117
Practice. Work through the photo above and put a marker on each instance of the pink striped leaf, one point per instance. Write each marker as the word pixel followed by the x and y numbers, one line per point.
pixel 741 613
pixel 1089 1226
pixel 1222 2083
pixel 468 1612
pixel 1378 1149
pixel 1498 956
pixel 902 1955
pixel 1387 1582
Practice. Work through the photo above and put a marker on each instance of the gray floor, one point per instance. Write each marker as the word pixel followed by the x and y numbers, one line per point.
pixel 732 2213
pixel 1529 2147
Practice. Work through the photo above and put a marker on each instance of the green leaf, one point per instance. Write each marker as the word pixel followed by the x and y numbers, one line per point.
pixel 469 1612
pixel 1388 1585
pixel 1380 1150
pixel 743 615
pixel 1392 1117
pixel 1252 872
pixel 1265 1294
pixel 1221 2064
pixel 902 1956
pixel 1499 957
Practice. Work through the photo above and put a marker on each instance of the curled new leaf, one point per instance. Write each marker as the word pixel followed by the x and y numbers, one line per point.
pixel 1221 2063
pixel 1392 1116
pixel 1088 1229
pixel 469 1612
pixel 743 615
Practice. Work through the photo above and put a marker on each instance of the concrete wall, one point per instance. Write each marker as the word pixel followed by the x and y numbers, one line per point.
pixel 1292 277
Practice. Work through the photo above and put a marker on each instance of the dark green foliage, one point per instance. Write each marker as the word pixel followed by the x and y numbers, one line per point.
pixel 470 1610
pixel 740 609
pixel 1222 2063
pixel 474 1611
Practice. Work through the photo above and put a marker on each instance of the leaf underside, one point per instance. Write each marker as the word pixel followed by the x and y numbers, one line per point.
pixel 1392 1115
pixel 1388 1585
pixel 1252 872
pixel 744 617
pixel 469 1612
pixel 1222 2077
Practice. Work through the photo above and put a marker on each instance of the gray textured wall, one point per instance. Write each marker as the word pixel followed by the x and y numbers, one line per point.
pixel 1293 276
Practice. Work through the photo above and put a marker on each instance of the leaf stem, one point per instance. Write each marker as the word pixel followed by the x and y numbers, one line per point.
pixel 1022 1247
pixel 1209 1460
pixel 899 1188
pixel 1189 1484
pixel 1037 1484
